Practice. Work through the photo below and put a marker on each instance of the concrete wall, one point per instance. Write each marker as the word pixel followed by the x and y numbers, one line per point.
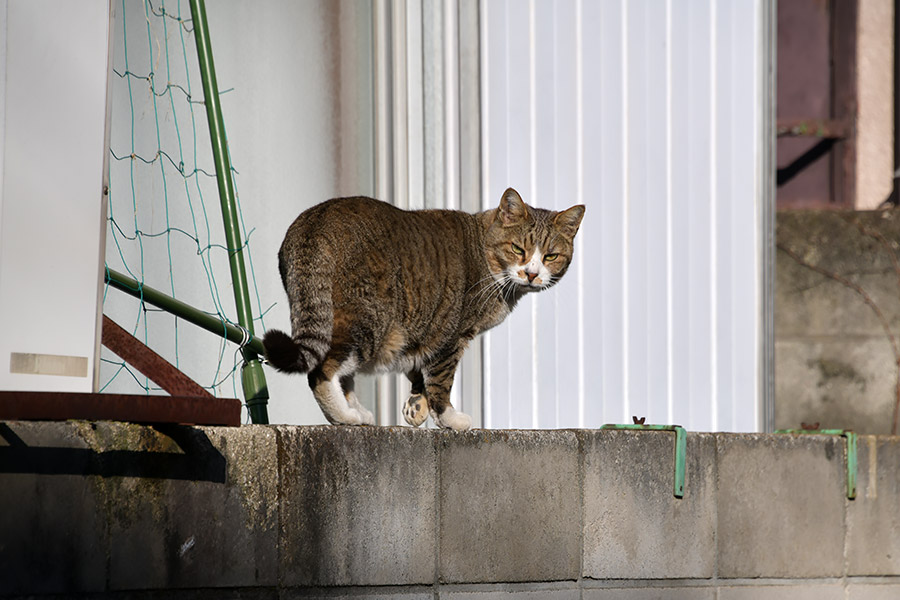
pixel 835 364
pixel 339 512
pixel 875 103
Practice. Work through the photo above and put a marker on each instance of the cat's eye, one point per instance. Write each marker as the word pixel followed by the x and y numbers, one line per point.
pixel 518 251
pixel 550 257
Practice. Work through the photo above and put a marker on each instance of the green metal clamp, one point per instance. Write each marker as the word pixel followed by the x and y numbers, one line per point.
pixel 207 321
pixel 852 443
pixel 680 449
pixel 253 379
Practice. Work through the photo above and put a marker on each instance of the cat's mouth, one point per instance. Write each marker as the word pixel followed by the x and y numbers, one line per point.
pixel 535 284
pixel 530 281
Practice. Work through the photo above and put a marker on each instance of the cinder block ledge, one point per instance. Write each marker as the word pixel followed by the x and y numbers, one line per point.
pixel 130 511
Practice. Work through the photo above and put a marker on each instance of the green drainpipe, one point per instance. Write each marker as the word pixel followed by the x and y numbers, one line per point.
pixel 256 393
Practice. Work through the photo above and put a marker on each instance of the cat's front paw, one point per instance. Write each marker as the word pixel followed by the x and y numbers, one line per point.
pixel 415 411
pixel 452 419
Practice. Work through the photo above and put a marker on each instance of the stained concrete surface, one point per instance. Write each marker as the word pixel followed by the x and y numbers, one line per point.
pixel 510 506
pixel 127 511
pixel 780 506
pixel 634 526
pixel 834 363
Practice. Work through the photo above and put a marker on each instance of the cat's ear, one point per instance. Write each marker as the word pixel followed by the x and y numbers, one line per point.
pixel 568 221
pixel 513 209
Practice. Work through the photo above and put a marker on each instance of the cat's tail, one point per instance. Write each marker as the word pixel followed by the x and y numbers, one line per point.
pixel 306 274
pixel 311 325
pixel 291 355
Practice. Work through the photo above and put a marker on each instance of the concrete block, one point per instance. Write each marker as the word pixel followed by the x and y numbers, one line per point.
pixel 634 526
pixel 354 594
pixel 652 593
pixel 835 364
pixel 208 593
pixel 823 381
pixel 814 305
pixel 799 591
pixel 510 506
pixel 873 591
pixel 779 494
pixel 121 506
pixel 506 594
pixel 195 507
pixel 357 506
pixel 873 521
pixel 53 531
pixel 807 302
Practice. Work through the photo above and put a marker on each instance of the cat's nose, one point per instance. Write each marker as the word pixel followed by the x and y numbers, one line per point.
pixel 530 276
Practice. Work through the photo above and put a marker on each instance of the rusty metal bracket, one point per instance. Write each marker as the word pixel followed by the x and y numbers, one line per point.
pixel 680 448
pixel 852 443
pixel 818 128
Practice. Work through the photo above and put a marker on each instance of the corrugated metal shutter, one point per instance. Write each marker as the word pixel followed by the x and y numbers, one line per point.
pixel 654 115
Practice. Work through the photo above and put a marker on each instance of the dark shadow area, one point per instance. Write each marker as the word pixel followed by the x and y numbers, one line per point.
pixel 200 461
pixel 796 167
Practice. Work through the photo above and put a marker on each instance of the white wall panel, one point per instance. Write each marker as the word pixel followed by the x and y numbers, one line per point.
pixel 566 325
pixel 53 104
pixel 651 114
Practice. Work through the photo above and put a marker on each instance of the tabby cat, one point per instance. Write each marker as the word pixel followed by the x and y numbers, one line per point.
pixel 376 288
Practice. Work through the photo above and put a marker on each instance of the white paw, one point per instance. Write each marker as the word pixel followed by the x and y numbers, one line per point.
pixel 347 417
pixel 452 419
pixel 365 416
pixel 415 411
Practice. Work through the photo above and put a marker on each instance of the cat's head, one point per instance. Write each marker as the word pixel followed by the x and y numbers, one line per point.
pixel 528 247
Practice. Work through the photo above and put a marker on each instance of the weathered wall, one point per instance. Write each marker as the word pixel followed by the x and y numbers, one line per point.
pixel 835 364
pixel 340 512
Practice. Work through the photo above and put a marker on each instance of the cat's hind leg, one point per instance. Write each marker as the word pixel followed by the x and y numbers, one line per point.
pixel 325 382
pixel 415 410
pixel 438 381
pixel 348 386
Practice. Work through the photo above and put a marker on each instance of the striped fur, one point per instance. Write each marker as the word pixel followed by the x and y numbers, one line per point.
pixel 375 288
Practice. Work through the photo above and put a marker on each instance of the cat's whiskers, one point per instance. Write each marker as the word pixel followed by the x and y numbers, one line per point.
pixel 489 276
pixel 509 288
pixel 486 293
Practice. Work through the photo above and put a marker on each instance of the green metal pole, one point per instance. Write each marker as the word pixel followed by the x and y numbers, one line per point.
pixel 253 379
pixel 180 309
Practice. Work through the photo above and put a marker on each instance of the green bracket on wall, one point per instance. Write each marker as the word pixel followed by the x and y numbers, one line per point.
pixel 852 442
pixel 680 449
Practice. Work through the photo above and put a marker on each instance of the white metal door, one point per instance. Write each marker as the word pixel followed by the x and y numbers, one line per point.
pixel 655 115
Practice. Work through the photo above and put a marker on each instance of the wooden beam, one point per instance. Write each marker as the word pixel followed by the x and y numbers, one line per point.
pixel 148 362
pixel 60 406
